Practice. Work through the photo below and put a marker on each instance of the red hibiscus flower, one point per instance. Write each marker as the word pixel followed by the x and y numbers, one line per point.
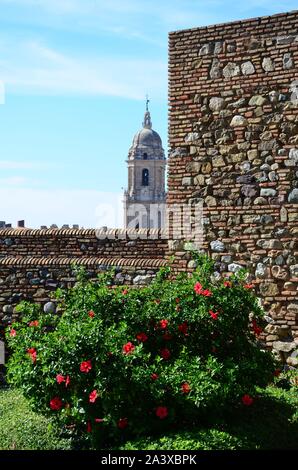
pixel 198 288
pixel 248 286
pixel 67 381
pixel 185 387
pixel 60 378
pixel 13 333
pixel 227 284
pixel 154 376
pixel 161 412
pixel 167 337
pixel 247 400
pixel 183 328
pixel 89 427
pixel 91 314
pixel 142 337
pixel 34 323
pixel 206 293
pixel 257 329
pixel 128 348
pixel 125 292
pixel 85 366
pixel 177 300
pixel 56 403
pixel 99 420
pixel 165 353
pixel 32 354
pixel 213 315
pixel 122 423
pixel 163 324
pixel 93 396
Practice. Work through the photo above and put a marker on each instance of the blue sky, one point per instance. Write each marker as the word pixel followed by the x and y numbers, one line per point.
pixel 75 74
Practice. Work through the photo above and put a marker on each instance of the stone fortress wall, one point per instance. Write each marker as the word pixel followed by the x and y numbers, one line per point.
pixel 34 263
pixel 233 123
pixel 233 134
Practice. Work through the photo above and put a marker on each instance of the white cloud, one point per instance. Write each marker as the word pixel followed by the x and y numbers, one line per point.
pixel 90 209
pixel 36 68
pixel 54 6
pixel 12 181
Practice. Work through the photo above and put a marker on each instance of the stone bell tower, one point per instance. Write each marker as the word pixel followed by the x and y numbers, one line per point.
pixel 145 198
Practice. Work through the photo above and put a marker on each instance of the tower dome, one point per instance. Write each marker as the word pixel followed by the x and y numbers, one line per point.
pixel 146 142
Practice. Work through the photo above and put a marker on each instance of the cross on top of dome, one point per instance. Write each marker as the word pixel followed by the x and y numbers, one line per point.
pixel 147 124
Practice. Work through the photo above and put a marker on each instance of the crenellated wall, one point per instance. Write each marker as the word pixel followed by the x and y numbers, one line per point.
pixel 34 263
pixel 233 134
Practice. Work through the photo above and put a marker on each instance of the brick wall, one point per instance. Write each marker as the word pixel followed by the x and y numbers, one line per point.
pixel 233 135
pixel 34 263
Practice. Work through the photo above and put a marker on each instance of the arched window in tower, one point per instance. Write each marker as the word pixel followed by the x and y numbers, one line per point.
pixel 145 177
pixel 145 156
pixel 159 220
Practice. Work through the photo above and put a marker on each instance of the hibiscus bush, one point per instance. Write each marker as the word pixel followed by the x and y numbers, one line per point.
pixel 121 361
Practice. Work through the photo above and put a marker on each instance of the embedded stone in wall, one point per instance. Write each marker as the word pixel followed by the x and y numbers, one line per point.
pixel 261 271
pixel 215 70
pixel 269 289
pixel 218 47
pixel 268 192
pixel 142 280
pixel 247 68
pixel 49 308
pixel 210 201
pixel 287 61
pixel 284 346
pixel 294 270
pixel 279 273
pixel 231 47
pixel 266 219
pixel 206 49
pixel 293 155
pixel 216 103
pixel 231 70
pixel 238 121
pixel 293 196
pixel 199 180
pixel 268 64
pixel 257 100
pixel 273 176
pixel 218 161
pixel 186 181
pixel 178 152
pixel 192 137
pixel 217 245
pixel 283 40
pixel 249 190
pixel 234 267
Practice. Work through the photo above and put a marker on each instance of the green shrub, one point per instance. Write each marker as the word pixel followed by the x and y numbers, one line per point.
pixel 122 361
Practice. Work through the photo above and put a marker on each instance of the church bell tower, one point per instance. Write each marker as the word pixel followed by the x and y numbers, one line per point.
pixel 145 197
